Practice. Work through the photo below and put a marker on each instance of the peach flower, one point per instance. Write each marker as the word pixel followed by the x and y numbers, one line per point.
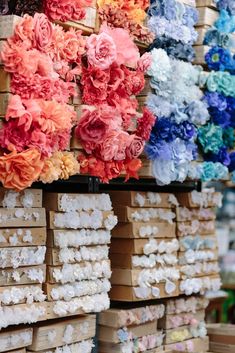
pixel 61 165
pixel 101 50
pixel 19 170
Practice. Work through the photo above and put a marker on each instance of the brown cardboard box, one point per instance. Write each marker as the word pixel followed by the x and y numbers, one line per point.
pixel 110 334
pixel 128 198
pixel 200 345
pixel 166 322
pixel 132 230
pixel 15 344
pixel 127 293
pixel 222 337
pixel 207 16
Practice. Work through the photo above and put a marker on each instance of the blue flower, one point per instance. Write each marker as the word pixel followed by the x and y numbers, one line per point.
pixel 225 22
pixel 232 162
pixel 221 118
pixel 219 59
pixel 222 156
pixel 210 138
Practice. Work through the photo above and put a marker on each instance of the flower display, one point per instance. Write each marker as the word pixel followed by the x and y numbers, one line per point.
pixel 64 10
pixel 219 96
pixel 39 56
pixel 110 130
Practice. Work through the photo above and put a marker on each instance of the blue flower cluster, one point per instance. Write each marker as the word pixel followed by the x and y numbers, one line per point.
pixel 174 48
pixel 228 5
pixel 173 19
pixel 217 138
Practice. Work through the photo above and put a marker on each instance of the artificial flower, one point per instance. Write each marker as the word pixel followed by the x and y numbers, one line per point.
pixel 126 50
pixel 19 170
pixel 42 31
pixel 101 50
pixel 64 10
pixel 61 165
pixel 210 138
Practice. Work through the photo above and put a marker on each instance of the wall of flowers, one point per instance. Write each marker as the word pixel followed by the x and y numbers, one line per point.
pixel 76 74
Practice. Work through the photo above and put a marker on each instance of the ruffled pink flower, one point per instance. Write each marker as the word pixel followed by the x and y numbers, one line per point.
pixel 94 126
pixel 42 31
pixel 24 32
pixel 73 46
pixel 101 50
pixel 126 50
pixel 114 146
pixel 64 10
pixel 144 62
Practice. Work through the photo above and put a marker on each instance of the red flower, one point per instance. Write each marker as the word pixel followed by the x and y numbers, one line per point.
pixel 145 124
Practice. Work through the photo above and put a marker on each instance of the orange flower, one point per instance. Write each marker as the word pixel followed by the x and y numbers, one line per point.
pixel 19 170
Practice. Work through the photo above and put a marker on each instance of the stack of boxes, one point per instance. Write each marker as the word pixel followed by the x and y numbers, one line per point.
pixel 184 326
pixel 22 256
pixel 78 266
pixel 144 246
pixel 129 330
pixel 198 255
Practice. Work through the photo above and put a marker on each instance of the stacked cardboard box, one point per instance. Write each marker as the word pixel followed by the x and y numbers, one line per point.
pixel 184 325
pixel 222 338
pixel 122 330
pixel 22 256
pixel 198 255
pixel 144 246
pixel 78 268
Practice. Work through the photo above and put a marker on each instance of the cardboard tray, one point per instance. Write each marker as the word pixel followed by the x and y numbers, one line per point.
pixel 40 333
pixel 128 198
pixel 131 230
pixel 127 293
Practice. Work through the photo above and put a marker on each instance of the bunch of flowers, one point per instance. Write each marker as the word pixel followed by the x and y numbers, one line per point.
pixel 64 10
pixel 174 48
pixel 173 19
pixel 40 56
pixel 217 138
pixel 178 105
pixel 129 15
pixel 135 9
pixel 43 60
pixel 111 131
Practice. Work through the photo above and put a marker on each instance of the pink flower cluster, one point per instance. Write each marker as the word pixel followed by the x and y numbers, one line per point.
pixel 111 132
pixel 40 56
pixel 64 10
pixel 45 125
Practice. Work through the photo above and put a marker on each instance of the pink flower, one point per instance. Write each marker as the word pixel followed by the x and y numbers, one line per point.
pixel 144 62
pixel 42 31
pixel 94 126
pixel 114 146
pixel 101 50
pixel 64 10
pixel 126 51
pixel 135 148
pixel 24 31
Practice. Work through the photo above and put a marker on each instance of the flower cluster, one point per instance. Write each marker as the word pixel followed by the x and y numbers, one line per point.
pixel 118 17
pixel 177 102
pixel 108 86
pixel 217 138
pixel 39 56
pixel 173 19
pixel 64 10
pixel 43 61
pixel 174 48
pixel 135 10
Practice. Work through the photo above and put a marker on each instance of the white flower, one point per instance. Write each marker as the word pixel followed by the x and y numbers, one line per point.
pixel 68 334
pixel 9 200
pixel 51 336
pixel 12 315
pixel 27 199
